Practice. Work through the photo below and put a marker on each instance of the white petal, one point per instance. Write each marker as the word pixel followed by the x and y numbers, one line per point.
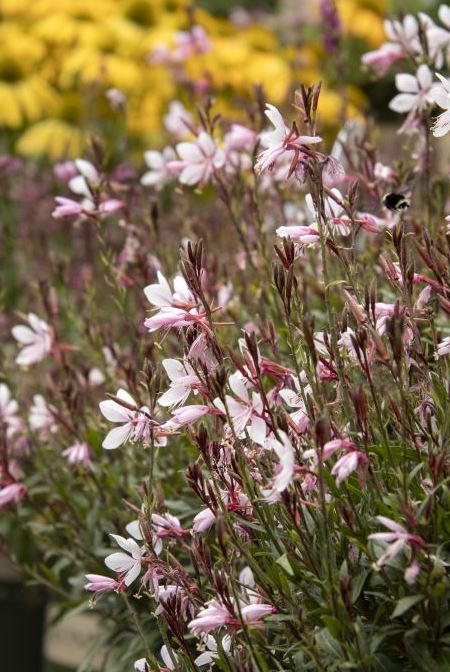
pixel 133 574
pixel 403 102
pixel 116 437
pixel 119 562
pixel 406 83
pixel 23 334
pixel 113 411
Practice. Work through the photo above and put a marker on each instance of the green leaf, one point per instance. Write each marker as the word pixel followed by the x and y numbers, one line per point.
pixel 284 563
pixel 406 603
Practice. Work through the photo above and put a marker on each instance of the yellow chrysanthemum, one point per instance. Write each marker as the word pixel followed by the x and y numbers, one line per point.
pixel 52 137
pixel 86 66
pixel 331 110
pixel 363 23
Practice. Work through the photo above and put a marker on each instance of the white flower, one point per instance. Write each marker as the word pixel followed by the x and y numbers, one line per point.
pixel 198 160
pixel 8 411
pixel 183 380
pixel 41 416
pixel 135 423
pixel 161 296
pixel 178 120
pixel 208 657
pixel 280 142
pixel 441 96
pixel 295 400
pixel 37 340
pixel 159 173
pixel 87 179
pixel 245 412
pixel 416 93
pixel 283 476
pixel 128 563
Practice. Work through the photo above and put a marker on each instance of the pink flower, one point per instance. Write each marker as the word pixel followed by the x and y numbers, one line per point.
pixel 381 59
pixel 178 121
pixel 281 142
pixel 13 492
pixel 191 42
pixel 211 617
pixel 398 537
pixel 37 340
pixel 347 464
pixel 66 207
pixel 203 521
pixel 302 235
pixel 65 170
pixel 136 424
pixel 78 453
pixel 245 413
pixel 127 564
pixel 240 138
pixel 253 613
pixel 443 348
pixel 198 160
pixel 188 414
pixel 216 615
pixel 166 525
pixel 99 584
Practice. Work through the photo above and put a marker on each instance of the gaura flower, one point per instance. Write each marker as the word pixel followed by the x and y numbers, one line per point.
pixel 198 160
pixel 127 564
pixel 215 615
pixel 441 96
pixel 13 492
pixel 245 412
pixel 8 411
pixel 183 381
pixel 176 310
pixel 416 93
pixel 443 348
pixel 78 453
pixel 398 538
pixel 282 142
pixel 41 416
pixel 158 162
pixel 98 584
pixel 37 339
pixel 208 657
pixel 136 425
pixel 285 472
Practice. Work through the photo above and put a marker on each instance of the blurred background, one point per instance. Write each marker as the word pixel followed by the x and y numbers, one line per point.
pixel 74 69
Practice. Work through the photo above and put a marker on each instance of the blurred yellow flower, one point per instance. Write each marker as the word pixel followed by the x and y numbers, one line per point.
pixel 52 137
pixel 59 58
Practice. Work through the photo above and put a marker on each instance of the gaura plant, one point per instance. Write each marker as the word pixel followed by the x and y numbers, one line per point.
pixel 241 452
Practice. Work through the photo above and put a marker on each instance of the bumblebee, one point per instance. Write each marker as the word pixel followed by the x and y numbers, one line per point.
pixel 396 202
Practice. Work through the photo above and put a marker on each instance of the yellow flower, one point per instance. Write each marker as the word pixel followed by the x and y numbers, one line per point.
pixel 24 94
pixel 362 23
pixel 52 137
pixel 331 106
